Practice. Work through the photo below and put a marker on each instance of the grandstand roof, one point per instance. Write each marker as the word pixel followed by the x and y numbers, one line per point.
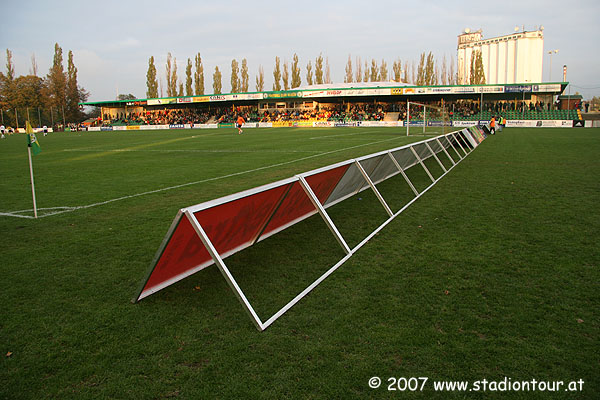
pixel 352 90
pixel 353 85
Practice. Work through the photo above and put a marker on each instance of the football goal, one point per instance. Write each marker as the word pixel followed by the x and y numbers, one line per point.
pixel 426 119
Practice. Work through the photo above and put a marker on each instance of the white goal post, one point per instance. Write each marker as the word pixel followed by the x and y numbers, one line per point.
pixel 427 116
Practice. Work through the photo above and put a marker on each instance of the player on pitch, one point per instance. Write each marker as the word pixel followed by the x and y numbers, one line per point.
pixel 240 122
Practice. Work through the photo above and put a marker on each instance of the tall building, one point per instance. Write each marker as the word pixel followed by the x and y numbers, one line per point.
pixel 514 58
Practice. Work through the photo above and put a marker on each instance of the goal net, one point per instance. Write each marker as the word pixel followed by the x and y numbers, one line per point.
pixel 426 119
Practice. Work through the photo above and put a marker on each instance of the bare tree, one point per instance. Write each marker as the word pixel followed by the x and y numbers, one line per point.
pixel 319 70
pixel 260 79
pixel 348 77
pixel 444 72
pixel 244 83
pixel 309 73
pixel 296 79
pixel 286 76
pixel 359 75
pixel 383 72
pixel 277 75
pixel 235 79
pixel 397 69
pixel 34 67
pixel 374 71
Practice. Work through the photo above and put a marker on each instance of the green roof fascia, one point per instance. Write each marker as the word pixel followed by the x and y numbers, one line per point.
pixel 282 94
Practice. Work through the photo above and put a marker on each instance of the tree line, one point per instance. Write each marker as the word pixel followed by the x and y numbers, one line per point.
pixel 287 75
pixel 49 100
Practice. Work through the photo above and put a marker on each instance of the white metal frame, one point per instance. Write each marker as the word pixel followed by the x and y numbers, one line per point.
pixel 301 178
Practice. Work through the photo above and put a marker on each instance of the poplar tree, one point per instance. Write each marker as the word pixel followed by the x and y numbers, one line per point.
pixel 319 70
pixel 383 72
pixel 56 78
pixel 349 76
pixel 430 78
pixel 168 69
pixel 374 71
pixel 477 72
pixel 444 72
pixel 171 75
pixel 189 91
pixel 235 79
pixel 199 76
pixel 244 83
pixel 217 85
pixel 151 82
pixel 296 80
pixel 452 79
pixel 358 75
pixel 34 67
pixel 260 79
pixel 173 80
pixel 7 83
pixel 421 71
pixel 397 70
pixel 276 75
pixel 366 72
pixel 10 67
pixel 286 76
pixel 327 71
pixel 72 91
pixel 309 73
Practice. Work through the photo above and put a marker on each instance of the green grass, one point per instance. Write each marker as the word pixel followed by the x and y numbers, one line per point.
pixel 493 273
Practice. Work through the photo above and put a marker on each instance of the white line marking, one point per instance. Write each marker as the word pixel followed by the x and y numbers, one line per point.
pixel 190 151
pixel 346 134
pixel 62 210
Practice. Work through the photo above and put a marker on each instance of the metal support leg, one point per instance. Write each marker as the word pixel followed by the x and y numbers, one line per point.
pixel 422 164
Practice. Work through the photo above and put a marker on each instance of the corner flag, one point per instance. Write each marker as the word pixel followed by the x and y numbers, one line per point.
pixel 33 146
pixel 32 140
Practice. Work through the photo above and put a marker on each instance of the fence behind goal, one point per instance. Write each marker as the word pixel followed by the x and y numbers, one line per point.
pixel 207 233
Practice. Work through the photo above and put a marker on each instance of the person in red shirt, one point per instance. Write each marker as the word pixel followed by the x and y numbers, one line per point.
pixel 240 122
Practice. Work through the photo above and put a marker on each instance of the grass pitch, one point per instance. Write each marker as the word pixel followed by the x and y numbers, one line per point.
pixel 493 273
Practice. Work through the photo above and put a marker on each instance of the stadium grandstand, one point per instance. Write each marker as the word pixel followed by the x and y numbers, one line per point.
pixel 382 103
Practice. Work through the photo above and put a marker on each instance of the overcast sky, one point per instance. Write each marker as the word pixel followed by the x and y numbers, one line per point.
pixel 113 40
